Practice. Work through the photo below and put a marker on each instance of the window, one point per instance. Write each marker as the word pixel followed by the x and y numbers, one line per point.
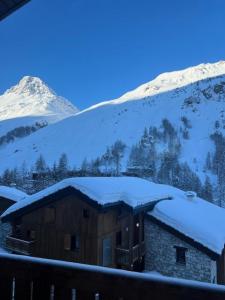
pixel 180 255
pixel 107 252
pixel 118 238
pixel 50 214
pixel 75 242
pixel 86 213
pixel 71 242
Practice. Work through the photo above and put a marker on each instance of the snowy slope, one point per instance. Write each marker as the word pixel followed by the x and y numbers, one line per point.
pixel 30 101
pixel 197 93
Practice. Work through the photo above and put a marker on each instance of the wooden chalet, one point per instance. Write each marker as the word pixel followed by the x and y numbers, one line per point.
pixel 9 196
pixel 88 220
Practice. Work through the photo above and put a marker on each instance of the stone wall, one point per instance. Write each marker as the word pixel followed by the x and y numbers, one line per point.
pixel 5 229
pixel 161 256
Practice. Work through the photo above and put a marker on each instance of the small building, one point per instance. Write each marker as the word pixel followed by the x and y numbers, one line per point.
pixel 185 238
pixel 8 197
pixel 93 220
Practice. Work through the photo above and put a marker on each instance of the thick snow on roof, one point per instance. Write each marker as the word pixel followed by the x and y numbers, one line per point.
pixel 11 193
pixel 198 219
pixel 104 190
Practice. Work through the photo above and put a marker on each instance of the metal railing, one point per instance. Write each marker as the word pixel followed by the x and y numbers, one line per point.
pixel 26 278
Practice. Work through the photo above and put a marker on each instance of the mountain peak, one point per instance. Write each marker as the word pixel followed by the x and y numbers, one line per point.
pixel 176 79
pixel 32 97
pixel 30 86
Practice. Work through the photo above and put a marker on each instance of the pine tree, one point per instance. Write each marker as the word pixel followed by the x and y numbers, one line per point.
pixel 186 135
pixel 95 167
pixel 207 190
pixel 40 165
pixel 117 151
pixel 62 168
pixel 7 177
pixel 208 162
pixel 106 161
pixel 167 168
pixel 85 168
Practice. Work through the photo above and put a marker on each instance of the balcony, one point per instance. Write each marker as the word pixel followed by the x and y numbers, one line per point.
pixel 26 278
pixel 19 246
pixel 125 257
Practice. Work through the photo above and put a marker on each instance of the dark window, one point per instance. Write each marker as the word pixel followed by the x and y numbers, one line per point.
pixel 75 242
pixel 86 213
pixel 31 234
pixel 71 242
pixel 118 238
pixel 180 255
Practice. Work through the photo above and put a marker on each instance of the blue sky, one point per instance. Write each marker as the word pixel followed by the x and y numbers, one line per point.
pixel 94 50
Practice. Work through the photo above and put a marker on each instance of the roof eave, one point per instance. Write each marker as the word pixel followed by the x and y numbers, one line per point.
pixel 10 8
pixel 149 205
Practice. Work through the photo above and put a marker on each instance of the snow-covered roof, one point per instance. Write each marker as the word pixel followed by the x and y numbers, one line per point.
pixel 104 190
pixel 196 218
pixel 11 193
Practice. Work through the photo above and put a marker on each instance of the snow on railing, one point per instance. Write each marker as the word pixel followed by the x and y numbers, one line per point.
pixel 24 278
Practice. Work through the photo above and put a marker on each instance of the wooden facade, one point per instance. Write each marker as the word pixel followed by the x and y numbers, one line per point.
pixel 69 226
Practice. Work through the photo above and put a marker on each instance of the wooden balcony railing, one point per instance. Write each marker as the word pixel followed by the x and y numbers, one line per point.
pixel 122 256
pixel 19 246
pixel 26 278
pixel 125 256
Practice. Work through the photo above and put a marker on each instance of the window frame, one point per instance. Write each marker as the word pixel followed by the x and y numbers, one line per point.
pixel 181 258
pixel 72 242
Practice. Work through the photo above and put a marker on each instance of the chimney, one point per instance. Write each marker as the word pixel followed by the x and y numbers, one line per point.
pixel 190 195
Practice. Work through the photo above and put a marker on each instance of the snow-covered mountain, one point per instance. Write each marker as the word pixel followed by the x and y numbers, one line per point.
pixel 31 101
pixel 32 97
pixel 196 93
